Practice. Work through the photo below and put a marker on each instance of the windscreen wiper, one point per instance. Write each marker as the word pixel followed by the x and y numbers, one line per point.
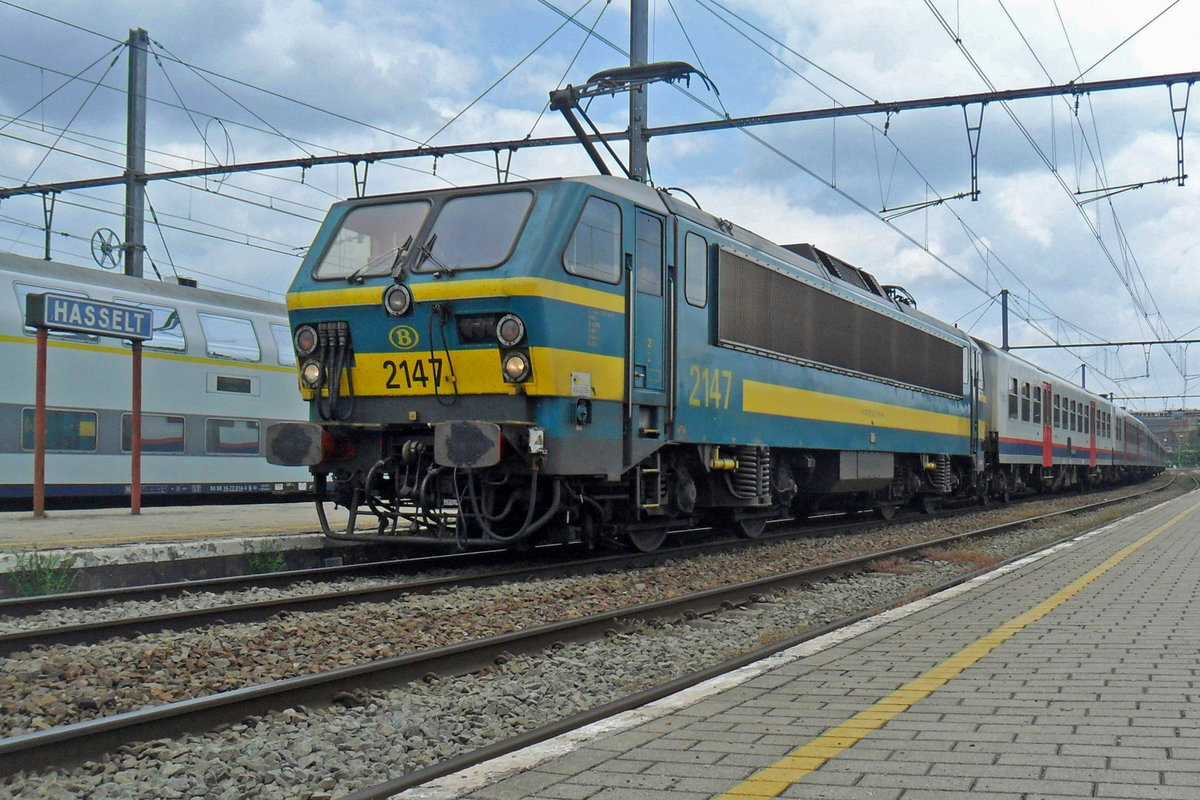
pixel 401 251
pixel 426 254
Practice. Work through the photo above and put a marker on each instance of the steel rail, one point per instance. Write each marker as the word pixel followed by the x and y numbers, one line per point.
pixel 255 611
pixel 259 610
pixel 71 744
pixel 529 738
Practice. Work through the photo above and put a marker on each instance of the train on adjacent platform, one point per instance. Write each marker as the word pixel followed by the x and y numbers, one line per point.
pixel 218 370
pixel 589 359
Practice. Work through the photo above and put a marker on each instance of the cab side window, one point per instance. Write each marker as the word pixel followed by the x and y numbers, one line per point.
pixel 594 250
pixel 695 270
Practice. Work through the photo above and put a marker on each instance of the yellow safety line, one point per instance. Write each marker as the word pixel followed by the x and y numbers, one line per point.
pixel 772 780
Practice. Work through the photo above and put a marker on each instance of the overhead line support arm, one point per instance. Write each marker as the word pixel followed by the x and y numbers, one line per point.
pixel 892 108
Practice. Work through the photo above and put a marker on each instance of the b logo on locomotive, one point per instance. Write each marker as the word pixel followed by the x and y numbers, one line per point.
pixel 403 337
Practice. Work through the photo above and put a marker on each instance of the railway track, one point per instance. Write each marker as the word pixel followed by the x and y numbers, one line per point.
pixel 72 743
pixel 467 569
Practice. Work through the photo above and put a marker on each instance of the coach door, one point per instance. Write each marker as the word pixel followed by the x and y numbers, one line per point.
pixel 1092 434
pixel 1047 427
pixel 648 342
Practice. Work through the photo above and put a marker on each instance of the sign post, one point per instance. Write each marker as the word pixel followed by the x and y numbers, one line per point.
pixel 56 312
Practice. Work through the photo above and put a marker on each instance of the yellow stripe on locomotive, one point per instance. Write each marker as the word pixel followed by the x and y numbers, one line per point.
pixel 766 398
pixel 554 373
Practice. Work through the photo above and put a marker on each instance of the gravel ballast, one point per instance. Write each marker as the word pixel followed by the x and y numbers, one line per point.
pixel 323 753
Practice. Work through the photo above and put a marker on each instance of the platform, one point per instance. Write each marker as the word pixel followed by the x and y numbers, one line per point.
pixel 1070 674
pixel 112 538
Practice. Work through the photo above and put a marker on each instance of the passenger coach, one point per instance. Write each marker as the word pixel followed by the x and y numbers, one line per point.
pixel 218 370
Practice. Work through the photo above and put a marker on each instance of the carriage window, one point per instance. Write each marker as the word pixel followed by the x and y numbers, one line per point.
pixel 1087 419
pixel 370 239
pixel 285 352
pixel 161 433
pixel 475 231
pixel 1012 399
pixel 595 247
pixel 648 255
pixel 231 437
pixel 1037 405
pixel 229 337
pixel 1057 410
pixel 168 331
pixel 1025 402
pixel 25 289
pixel 695 270
pixel 66 431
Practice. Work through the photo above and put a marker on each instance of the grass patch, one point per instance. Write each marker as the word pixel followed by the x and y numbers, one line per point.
pixel 39 573
pixel 264 558
pixel 971 558
pixel 893 566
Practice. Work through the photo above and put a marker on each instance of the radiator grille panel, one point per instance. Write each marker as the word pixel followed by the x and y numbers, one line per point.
pixel 764 310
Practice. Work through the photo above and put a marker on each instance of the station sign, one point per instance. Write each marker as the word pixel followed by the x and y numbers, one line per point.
pixel 82 315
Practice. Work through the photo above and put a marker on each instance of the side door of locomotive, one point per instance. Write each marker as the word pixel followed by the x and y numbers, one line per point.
pixel 649 311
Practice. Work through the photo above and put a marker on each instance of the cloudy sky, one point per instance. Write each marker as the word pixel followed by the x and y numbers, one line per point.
pixel 248 80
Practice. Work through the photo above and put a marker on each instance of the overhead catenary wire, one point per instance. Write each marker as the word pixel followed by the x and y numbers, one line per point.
pixel 1138 301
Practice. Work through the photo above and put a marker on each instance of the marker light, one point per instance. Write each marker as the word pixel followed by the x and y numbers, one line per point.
pixel 510 330
pixel 310 374
pixel 397 300
pixel 305 340
pixel 516 367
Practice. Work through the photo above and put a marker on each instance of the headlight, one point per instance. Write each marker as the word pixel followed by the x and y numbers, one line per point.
pixel 397 300
pixel 510 330
pixel 310 374
pixel 516 367
pixel 305 340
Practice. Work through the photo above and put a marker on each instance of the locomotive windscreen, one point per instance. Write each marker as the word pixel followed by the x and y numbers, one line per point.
pixel 768 312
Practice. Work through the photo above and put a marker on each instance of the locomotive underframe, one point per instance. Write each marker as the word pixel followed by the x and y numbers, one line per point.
pixel 498 491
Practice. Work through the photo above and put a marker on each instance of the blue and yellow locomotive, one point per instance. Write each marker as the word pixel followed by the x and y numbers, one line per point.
pixel 588 359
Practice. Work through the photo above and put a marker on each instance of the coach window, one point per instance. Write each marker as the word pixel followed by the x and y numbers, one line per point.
pixel 161 433
pixel 66 431
pixel 229 337
pixel 1012 399
pixel 595 247
pixel 25 289
pixel 1025 402
pixel 231 437
pixel 695 270
pixel 1057 410
pixel 168 331
pixel 285 353
pixel 1037 405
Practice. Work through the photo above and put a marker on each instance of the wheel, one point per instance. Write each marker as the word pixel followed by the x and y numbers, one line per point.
pixel 885 511
pixel 648 540
pixel 751 528
pixel 929 504
pixel 745 527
